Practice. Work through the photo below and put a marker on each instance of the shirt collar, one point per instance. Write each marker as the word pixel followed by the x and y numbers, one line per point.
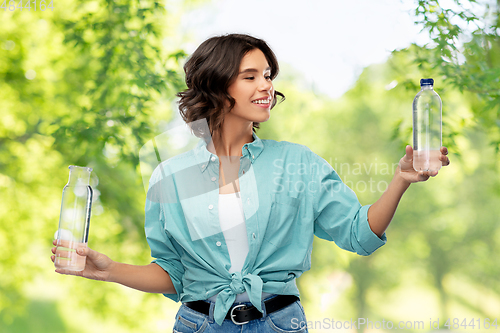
pixel 250 150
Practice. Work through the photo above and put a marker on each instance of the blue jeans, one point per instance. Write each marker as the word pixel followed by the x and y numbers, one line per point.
pixel 288 319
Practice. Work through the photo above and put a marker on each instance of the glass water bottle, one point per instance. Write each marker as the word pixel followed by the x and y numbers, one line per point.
pixel 74 219
pixel 427 128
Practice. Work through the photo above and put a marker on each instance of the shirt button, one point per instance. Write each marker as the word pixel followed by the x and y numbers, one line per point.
pixel 203 166
pixel 253 156
pixel 210 206
pixel 213 158
pixel 214 179
pixel 253 235
pixel 218 243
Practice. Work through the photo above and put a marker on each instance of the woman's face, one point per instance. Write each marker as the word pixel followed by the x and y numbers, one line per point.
pixel 253 89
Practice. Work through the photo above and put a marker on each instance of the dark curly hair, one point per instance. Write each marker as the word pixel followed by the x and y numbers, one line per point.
pixel 210 70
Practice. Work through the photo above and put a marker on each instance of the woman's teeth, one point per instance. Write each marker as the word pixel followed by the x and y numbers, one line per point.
pixel 262 101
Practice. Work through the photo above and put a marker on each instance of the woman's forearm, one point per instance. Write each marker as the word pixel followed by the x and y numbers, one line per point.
pixel 149 278
pixel 381 212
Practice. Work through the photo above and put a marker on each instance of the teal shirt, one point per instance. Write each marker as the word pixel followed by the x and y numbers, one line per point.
pixel 288 193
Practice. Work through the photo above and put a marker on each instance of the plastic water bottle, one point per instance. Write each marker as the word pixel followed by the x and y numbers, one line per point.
pixel 427 135
pixel 74 219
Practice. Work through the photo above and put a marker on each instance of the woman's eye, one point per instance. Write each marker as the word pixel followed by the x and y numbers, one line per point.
pixel 252 77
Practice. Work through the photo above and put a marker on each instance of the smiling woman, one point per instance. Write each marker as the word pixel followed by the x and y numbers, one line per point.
pixel 231 255
pixel 217 64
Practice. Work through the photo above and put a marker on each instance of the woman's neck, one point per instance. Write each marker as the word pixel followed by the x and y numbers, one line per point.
pixel 230 141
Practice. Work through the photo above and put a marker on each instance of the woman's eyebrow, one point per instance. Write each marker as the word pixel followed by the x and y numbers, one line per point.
pixel 253 70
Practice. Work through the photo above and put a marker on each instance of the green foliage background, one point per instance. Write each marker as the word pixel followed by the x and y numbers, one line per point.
pixel 106 76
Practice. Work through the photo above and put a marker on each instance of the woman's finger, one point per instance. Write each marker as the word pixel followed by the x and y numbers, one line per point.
pixel 423 175
pixel 67 243
pixel 444 159
pixel 68 272
pixel 68 254
pixel 430 173
pixel 408 154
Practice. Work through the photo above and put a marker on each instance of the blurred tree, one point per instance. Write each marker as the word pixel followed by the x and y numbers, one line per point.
pixel 87 84
pixel 464 53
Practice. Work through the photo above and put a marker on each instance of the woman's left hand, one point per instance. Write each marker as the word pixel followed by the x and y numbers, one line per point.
pixel 406 171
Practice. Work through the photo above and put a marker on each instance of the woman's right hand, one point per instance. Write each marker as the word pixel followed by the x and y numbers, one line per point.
pixel 97 266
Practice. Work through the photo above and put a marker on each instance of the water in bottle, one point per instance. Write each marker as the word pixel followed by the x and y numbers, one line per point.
pixel 427 128
pixel 74 219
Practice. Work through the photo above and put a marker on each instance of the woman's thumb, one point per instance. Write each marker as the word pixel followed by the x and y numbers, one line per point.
pixel 86 251
pixel 408 153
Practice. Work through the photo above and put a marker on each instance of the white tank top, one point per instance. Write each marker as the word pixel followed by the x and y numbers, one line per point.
pixel 233 226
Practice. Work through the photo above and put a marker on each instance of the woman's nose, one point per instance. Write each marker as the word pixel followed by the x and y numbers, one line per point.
pixel 265 85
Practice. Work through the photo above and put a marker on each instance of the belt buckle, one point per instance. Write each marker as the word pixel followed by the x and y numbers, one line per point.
pixel 233 315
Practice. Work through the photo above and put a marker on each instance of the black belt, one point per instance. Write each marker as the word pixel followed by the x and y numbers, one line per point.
pixel 242 314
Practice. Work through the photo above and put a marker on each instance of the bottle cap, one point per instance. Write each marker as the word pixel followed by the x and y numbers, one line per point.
pixel 426 82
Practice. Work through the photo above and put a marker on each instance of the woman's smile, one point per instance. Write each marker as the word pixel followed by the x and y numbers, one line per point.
pixel 264 102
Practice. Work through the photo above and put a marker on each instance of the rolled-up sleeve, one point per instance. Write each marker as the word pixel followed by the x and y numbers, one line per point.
pixel 338 215
pixel 164 249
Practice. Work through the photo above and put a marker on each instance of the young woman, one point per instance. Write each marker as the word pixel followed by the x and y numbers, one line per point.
pixel 231 222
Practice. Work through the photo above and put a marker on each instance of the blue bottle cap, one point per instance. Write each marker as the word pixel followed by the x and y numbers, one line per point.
pixel 426 82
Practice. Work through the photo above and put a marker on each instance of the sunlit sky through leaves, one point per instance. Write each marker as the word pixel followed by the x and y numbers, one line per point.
pixel 328 42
